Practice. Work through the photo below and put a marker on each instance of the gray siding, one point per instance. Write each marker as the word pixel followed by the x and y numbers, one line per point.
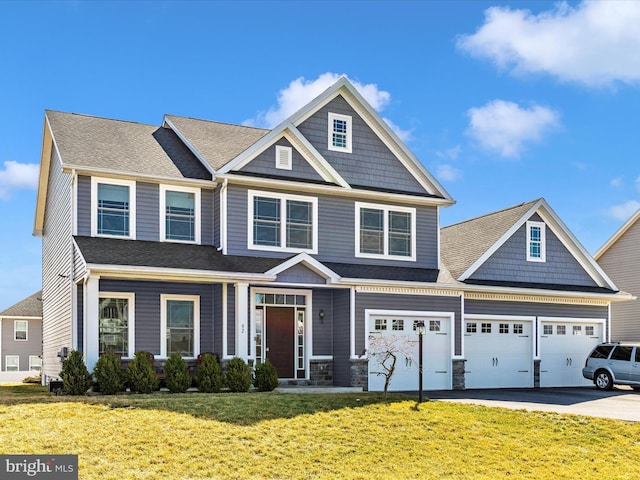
pixel 509 263
pixel 427 303
pixel 621 262
pixel 206 212
pixel 336 232
pixel 231 320
pixel 56 268
pixel 147 310
pixel 80 316
pixel 300 274
pixel 341 338
pixel 84 206
pixel 216 218
pixel 533 309
pixel 217 319
pixel 32 346
pixel 264 164
pixel 147 211
pixel 370 164
pixel 322 331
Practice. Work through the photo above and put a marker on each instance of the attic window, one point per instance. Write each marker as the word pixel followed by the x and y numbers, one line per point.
pixel 536 245
pixel 284 157
pixel 339 133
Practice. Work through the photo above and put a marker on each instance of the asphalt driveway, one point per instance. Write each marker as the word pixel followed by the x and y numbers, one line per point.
pixel 621 403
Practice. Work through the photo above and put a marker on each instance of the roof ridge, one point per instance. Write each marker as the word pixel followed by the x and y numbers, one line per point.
pixel 218 122
pixel 86 115
pixel 492 213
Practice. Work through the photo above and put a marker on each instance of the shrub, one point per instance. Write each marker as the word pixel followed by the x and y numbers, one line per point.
pixel 177 378
pixel 140 374
pixel 266 378
pixel 238 375
pixel 37 380
pixel 109 374
pixel 208 374
pixel 76 379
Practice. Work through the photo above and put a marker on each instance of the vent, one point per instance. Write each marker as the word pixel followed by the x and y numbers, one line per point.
pixel 283 157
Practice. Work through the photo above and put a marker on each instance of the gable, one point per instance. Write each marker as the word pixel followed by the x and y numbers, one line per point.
pixel 509 262
pixel 370 160
pixel 300 273
pixel 264 164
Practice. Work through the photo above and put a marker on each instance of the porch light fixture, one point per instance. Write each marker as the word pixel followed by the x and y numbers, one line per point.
pixel 321 315
pixel 420 328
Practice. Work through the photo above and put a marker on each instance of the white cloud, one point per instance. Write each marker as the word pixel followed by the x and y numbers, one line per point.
pixel 17 176
pixel 624 211
pixel 593 43
pixel 448 173
pixel 301 91
pixel 451 153
pixel 504 127
pixel 616 182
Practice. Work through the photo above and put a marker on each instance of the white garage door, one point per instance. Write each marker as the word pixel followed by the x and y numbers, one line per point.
pixel 498 353
pixel 564 347
pixel 400 331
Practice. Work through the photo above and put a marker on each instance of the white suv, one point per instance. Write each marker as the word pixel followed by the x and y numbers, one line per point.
pixel 614 363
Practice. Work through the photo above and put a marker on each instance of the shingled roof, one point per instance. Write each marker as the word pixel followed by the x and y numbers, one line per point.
pixel 465 242
pixel 29 307
pixel 217 143
pixel 118 146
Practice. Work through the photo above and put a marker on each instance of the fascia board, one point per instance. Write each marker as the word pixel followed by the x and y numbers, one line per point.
pixel 123 175
pixel 538 292
pixel 616 236
pixel 43 176
pixel 308 261
pixel 188 144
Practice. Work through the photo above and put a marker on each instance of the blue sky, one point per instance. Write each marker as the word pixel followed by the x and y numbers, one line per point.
pixel 504 102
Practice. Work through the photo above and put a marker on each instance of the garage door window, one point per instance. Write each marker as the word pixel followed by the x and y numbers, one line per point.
pixel 434 325
pixel 504 328
pixel 547 329
pixel 577 329
pixel 381 324
pixel 472 328
pixel 589 330
pixel 518 328
pixel 486 328
pixel 561 330
pixel 397 324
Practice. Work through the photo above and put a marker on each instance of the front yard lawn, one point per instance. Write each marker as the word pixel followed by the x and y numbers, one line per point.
pixel 346 436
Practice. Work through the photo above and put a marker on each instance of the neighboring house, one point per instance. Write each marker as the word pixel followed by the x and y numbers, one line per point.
pixel 21 339
pixel 297 244
pixel 620 258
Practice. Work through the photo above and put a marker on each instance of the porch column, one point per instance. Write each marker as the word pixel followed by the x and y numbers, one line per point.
pixel 91 305
pixel 242 320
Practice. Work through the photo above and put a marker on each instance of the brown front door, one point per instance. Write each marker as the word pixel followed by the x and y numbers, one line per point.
pixel 281 340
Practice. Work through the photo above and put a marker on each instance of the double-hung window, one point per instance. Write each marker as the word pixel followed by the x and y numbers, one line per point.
pixel 113 208
pixel 115 323
pixel 179 214
pixel 339 133
pixel 180 325
pixel 385 231
pixel 11 363
pixel 282 222
pixel 536 244
pixel 20 330
pixel 35 363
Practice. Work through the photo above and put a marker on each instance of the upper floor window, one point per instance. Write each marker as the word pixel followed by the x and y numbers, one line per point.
pixel 383 231
pixel 536 248
pixel 282 222
pixel 339 132
pixel 20 329
pixel 113 207
pixel 180 214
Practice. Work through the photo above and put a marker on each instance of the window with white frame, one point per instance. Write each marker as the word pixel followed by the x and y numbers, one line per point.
pixel 20 330
pixel 113 211
pixel 116 323
pixel 536 245
pixel 339 133
pixel 179 214
pixel 180 325
pixel 11 363
pixel 284 157
pixel 282 222
pixel 35 363
pixel 385 232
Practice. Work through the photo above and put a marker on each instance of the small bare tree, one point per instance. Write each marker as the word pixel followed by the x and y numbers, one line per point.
pixel 386 349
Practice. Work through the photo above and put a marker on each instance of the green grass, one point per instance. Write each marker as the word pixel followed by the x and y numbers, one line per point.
pixel 272 435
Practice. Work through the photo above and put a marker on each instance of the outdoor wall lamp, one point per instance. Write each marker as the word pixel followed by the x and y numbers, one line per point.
pixel 321 315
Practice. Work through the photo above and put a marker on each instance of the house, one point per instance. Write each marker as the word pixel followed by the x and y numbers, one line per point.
pixel 299 244
pixel 21 339
pixel 620 258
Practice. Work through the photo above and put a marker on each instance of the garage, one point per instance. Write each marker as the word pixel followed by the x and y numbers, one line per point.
pixel 400 330
pixel 564 347
pixel 498 352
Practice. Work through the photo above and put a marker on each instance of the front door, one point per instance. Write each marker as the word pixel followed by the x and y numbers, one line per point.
pixel 280 344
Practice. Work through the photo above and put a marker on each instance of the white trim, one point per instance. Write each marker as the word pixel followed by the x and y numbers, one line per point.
pixel 94 205
pixel 252 194
pixel 284 157
pixel 308 261
pixel 74 315
pixel 385 209
pixel 164 297
pixel 163 212
pixel 223 216
pixel 541 320
pixel 225 319
pixel 205 164
pixel 619 233
pixel 6 357
pixel 480 316
pixel 352 323
pixel 348 136
pixel 131 327
pixel 74 203
pixel 26 330
pixel 242 321
pixel 543 241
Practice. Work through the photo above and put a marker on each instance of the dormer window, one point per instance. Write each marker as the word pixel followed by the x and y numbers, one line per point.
pixel 536 248
pixel 339 132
